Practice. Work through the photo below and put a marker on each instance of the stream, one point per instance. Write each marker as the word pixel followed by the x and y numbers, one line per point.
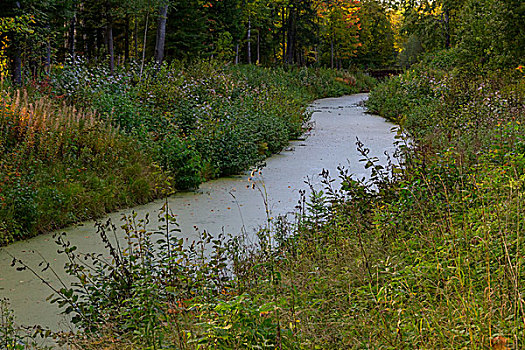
pixel 226 205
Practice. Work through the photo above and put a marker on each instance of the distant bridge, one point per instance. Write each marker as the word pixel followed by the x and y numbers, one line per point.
pixel 384 73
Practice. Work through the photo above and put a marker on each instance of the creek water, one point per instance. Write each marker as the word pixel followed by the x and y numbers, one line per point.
pixel 226 205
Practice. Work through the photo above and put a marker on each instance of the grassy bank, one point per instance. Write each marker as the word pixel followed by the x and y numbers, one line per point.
pixel 59 165
pixel 130 133
pixel 428 254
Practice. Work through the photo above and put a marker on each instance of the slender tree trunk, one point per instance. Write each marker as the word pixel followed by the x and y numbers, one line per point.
pixel 258 46
pixel 237 54
pixel 289 36
pixel 47 57
pixel 447 28
pixel 17 64
pixel 290 49
pixel 161 34
pixel 47 63
pixel 249 40
pixel 144 47
pixel 71 37
pixel 284 33
pixel 111 50
pixel 126 39
pixel 135 38
pixel 109 38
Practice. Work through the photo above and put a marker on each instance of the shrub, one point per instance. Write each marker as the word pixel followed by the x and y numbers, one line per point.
pixel 62 164
pixel 181 160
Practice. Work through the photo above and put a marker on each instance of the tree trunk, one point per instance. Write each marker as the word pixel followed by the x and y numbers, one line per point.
pixel 237 54
pixel 126 39
pixel 446 26
pixel 17 65
pixel 161 34
pixel 111 51
pixel 47 61
pixel 144 47
pixel 290 49
pixel 71 37
pixel 258 47
pixel 47 57
pixel 284 33
pixel 135 38
pixel 249 41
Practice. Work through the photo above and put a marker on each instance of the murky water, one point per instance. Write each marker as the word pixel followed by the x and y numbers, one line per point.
pixel 225 205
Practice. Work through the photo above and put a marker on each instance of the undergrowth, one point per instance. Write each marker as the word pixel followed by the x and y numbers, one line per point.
pixel 427 253
pixel 128 132
pixel 206 120
pixel 60 165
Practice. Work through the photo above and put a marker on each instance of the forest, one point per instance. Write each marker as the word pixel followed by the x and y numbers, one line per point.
pixel 327 33
pixel 109 104
pixel 41 35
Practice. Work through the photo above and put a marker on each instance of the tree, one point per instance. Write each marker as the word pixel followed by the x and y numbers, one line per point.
pixel 161 32
pixel 225 18
pixel 109 38
pixel 490 33
pixel 188 36
pixel 376 35
pixel 17 28
pixel 301 30
pixel 434 22
pixel 260 16
pixel 341 26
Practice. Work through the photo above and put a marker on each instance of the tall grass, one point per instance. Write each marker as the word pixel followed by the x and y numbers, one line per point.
pixel 59 165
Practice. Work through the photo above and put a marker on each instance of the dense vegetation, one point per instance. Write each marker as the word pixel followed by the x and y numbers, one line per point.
pixel 37 35
pixel 59 165
pixel 180 125
pixel 426 254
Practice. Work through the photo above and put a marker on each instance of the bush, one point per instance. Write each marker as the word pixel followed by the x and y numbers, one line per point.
pixel 62 165
pixel 183 162
pixel 233 116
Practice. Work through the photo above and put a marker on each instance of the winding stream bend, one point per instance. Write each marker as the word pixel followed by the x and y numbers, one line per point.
pixel 224 205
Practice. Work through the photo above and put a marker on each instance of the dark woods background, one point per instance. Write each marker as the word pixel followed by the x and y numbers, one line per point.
pixel 36 35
